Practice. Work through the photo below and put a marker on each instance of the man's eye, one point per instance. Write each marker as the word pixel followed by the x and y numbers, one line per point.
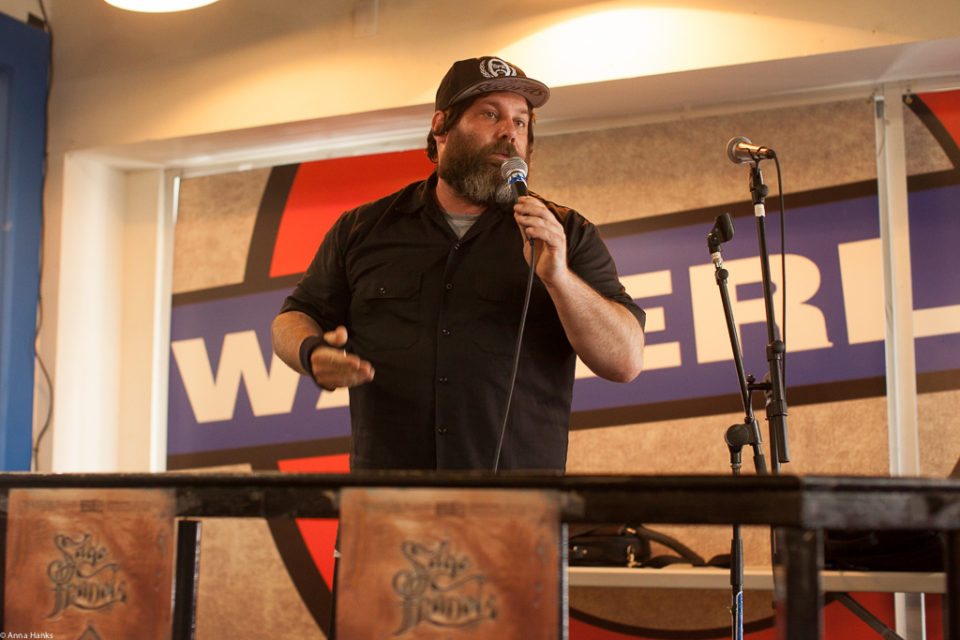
pixel 521 124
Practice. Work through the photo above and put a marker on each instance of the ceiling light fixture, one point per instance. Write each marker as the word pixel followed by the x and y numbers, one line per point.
pixel 159 6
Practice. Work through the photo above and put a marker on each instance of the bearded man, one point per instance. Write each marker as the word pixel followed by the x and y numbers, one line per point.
pixel 414 301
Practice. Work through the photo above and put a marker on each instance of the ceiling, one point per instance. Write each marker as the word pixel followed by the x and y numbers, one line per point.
pixel 99 40
pixel 918 66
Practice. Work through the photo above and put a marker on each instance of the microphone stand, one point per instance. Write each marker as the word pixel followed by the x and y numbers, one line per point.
pixel 744 433
pixel 723 232
pixel 776 349
pixel 777 407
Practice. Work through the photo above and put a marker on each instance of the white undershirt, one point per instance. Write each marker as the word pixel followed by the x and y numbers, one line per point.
pixel 460 222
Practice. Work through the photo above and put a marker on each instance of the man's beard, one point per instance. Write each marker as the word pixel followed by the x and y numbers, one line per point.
pixel 468 170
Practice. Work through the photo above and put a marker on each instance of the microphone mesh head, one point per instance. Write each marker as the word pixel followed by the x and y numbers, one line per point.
pixel 513 166
pixel 732 149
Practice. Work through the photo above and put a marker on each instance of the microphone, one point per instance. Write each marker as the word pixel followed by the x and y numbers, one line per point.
pixel 514 171
pixel 740 150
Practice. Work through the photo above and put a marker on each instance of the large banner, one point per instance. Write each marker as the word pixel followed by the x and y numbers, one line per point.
pixel 232 402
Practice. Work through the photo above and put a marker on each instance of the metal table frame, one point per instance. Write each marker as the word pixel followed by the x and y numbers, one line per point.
pixel 798 508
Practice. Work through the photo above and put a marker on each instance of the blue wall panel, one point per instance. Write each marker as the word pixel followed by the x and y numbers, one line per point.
pixel 24 67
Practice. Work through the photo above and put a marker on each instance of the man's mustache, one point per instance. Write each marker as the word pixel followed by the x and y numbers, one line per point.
pixel 505 148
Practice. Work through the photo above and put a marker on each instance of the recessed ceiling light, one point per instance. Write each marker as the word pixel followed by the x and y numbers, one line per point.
pixel 159 6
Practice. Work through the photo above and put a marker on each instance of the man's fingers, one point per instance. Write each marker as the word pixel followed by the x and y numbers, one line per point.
pixel 334 382
pixel 337 337
pixel 541 229
pixel 334 369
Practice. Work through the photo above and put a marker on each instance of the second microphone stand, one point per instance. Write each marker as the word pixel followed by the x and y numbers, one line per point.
pixel 747 432
pixel 741 434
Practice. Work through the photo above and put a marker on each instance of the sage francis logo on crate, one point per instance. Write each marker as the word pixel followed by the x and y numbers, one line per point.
pixel 441 588
pixel 83 576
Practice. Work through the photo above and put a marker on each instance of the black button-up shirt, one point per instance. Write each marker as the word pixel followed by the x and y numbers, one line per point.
pixel 438 316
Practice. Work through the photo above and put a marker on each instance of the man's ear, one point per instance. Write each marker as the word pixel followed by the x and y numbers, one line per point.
pixel 436 125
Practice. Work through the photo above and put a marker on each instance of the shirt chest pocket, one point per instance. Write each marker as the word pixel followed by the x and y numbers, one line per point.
pixel 498 305
pixel 385 312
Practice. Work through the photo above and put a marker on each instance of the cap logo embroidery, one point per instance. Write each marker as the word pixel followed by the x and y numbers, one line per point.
pixel 495 67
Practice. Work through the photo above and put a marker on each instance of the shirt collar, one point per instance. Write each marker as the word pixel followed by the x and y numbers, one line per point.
pixel 420 195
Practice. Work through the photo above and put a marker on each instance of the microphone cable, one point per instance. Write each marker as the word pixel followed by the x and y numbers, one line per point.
pixel 516 352
pixel 514 170
pixel 783 274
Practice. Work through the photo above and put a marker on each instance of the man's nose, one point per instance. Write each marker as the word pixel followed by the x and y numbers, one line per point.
pixel 509 130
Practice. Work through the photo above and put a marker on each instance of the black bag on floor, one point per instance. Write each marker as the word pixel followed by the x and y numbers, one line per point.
pixel 629 546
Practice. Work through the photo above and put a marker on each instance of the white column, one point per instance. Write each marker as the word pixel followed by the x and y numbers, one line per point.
pixel 87 379
pixel 145 321
pixel 110 386
pixel 901 370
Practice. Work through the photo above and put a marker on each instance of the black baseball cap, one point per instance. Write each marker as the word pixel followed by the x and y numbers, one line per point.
pixel 467 78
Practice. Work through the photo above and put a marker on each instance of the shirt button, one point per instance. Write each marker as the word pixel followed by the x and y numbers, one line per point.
pixel 444 380
pixel 448 286
pixel 441 430
pixel 382 291
pixel 445 332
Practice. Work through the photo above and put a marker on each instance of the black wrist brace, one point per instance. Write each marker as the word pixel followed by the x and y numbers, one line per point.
pixel 306 349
